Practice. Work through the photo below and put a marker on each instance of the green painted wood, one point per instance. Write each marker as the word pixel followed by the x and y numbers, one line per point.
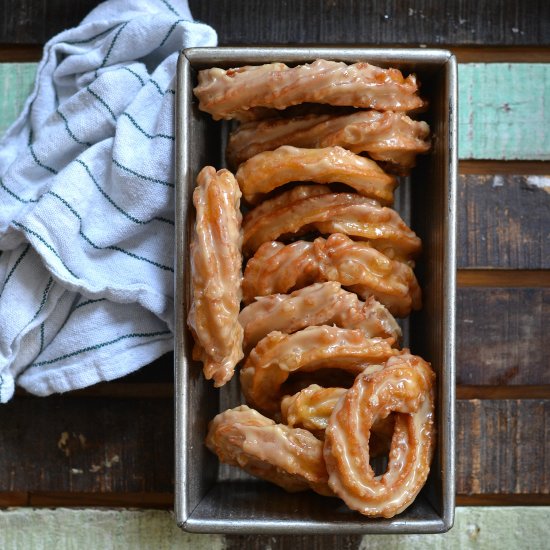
pixel 64 529
pixel 16 82
pixel 504 111
pixel 69 529
pixel 504 108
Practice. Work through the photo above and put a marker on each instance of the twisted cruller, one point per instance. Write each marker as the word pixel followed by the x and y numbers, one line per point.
pixel 234 93
pixel 391 138
pixel 318 304
pixel 355 264
pixel 278 355
pixel 216 260
pixel 271 169
pixel 289 457
pixel 347 213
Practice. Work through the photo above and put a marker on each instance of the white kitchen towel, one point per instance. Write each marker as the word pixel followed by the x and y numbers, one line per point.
pixel 87 201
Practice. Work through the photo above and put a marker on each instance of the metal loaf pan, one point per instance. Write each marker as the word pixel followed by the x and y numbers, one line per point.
pixel 213 498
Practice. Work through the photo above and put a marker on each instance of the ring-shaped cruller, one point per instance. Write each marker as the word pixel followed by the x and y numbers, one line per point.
pixel 404 386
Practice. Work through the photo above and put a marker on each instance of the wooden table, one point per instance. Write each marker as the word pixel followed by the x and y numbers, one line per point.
pixel 112 444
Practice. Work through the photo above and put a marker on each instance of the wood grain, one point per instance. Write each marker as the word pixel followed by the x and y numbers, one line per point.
pixel 376 22
pixel 119 452
pixel 35 22
pixel 310 21
pixel 503 447
pixel 97 529
pixel 503 221
pixel 502 336
pixel 63 443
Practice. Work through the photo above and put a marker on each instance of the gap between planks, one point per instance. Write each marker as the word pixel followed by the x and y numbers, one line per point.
pixel 74 499
pixel 503 278
pixel 504 167
pixel 164 501
pixel 465 54
pixel 465 392
pixel 165 390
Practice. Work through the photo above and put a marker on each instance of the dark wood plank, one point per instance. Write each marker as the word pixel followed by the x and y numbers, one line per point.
pixel 503 447
pixel 62 451
pixel 503 221
pixel 430 22
pixel 35 22
pixel 501 335
pixel 70 443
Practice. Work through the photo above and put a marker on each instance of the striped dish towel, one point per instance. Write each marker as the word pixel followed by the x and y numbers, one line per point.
pixel 87 201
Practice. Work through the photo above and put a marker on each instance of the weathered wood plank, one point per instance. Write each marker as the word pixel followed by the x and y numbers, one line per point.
pixel 308 21
pixel 504 111
pixel 503 446
pixel 58 448
pixel 65 529
pixel 69 443
pixel 501 335
pixel 35 22
pixel 504 221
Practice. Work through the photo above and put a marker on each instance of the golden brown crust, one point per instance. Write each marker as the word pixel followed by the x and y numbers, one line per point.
pixel 276 268
pixel 278 355
pixel 388 137
pixel 289 457
pixel 317 304
pixel 216 274
pixel 232 93
pixel 347 213
pixel 272 169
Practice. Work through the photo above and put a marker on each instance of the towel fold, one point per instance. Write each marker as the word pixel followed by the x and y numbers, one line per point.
pixel 87 201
